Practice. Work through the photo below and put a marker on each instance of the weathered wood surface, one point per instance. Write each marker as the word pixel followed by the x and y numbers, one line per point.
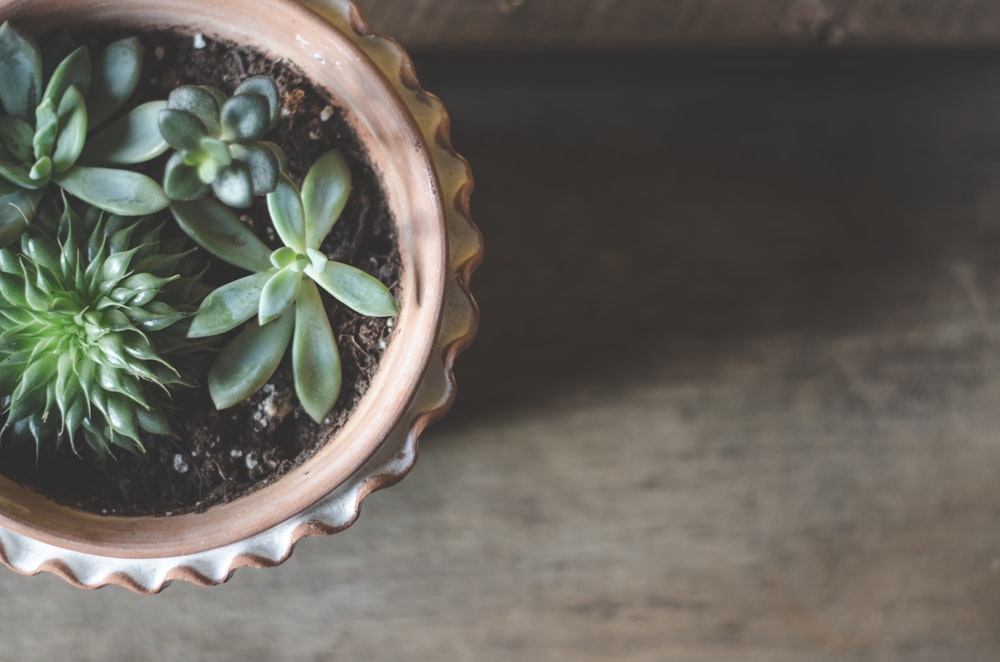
pixel 736 395
pixel 609 24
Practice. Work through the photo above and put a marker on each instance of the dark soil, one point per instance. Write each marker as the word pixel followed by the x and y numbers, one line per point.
pixel 216 456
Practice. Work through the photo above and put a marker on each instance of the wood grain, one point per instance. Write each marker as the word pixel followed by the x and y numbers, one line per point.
pixel 735 394
pixel 512 25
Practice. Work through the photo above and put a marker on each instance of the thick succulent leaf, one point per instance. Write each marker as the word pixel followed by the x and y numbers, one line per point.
pixel 234 186
pixel 276 151
pixel 217 94
pixel 287 214
pixel 246 363
pixel 214 227
pixel 17 136
pixel 199 101
pixel 324 195
pixel 72 133
pixel 122 417
pixel 315 358
pixel 46 128
pixel 73 70
pixel 41 170
pixel 279 293
pixel 21 63
pixel 16 211
pixel 245 118
pixel 181 181
pixel 181 129
pixel 134 138
pixel 30 395
pixel 118 191
pixel 116 72
pixel 13 293
pixel 264 166
pixel 229 306
pixel 155 316
pixel 216 149
pixel 153 421
pixel 356 289
pixel 18 174
pixel 266 88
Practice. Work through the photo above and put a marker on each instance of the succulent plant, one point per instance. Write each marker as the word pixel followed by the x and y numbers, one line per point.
pixel 53 98
pixel 94 311
pixel 218 142
pixel 282 290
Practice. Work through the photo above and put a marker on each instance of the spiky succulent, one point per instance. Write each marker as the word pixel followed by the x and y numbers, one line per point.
pixel 93 310
pixel 282 291
pixel 53 98
pixel 219 142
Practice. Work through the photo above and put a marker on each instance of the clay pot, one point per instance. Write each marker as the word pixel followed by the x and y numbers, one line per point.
pixel 405 131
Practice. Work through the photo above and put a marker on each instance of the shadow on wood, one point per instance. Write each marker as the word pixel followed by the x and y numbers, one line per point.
pixel 651 218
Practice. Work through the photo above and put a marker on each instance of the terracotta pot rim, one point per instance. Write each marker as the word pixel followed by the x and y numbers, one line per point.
pixel 373 464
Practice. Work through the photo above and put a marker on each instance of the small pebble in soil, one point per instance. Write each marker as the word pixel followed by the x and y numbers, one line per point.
pixel 180 466
pixel 236 452
pixel 251 461
pixel 199 41
pixel 326 114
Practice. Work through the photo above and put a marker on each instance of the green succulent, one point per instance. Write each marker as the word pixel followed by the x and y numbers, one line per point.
pixel 53 97
pixel 218 142
pixel 94 314
pixel 282 290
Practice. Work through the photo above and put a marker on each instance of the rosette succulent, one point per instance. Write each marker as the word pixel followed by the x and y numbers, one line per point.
pixel 282 290
pixel 219 142
pixel 53 98
pixel 94 311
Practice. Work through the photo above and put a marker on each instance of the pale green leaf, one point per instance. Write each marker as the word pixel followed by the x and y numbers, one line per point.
pixel 229 306
pixel 118 191
pixel 315 358
pixel 21 64
pixel 324 194
pixel 116 72
pixel 287 213
pixel 74 71
pixel 18 174
pixel 181 181
pixel 246 363
pixel 279 293
pixel 134 138
pixel 356 289
pixel 72 132
pixel 214 227
pixel 16 211
pixel 46 128
pixel 17 136
pixel 216 149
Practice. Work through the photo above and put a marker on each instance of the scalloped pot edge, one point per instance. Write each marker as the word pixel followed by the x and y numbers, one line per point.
pixel 407 133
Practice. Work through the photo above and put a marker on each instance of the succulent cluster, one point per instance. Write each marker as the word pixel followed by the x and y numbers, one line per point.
pixel 53 98
pixel 99 307
pixel 219 142
pixel 94 309
pixel 282 292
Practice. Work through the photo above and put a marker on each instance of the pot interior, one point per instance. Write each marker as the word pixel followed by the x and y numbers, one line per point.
pixel 396 149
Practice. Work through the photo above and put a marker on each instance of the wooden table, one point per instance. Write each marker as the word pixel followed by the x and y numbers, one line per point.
pixel 736 394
